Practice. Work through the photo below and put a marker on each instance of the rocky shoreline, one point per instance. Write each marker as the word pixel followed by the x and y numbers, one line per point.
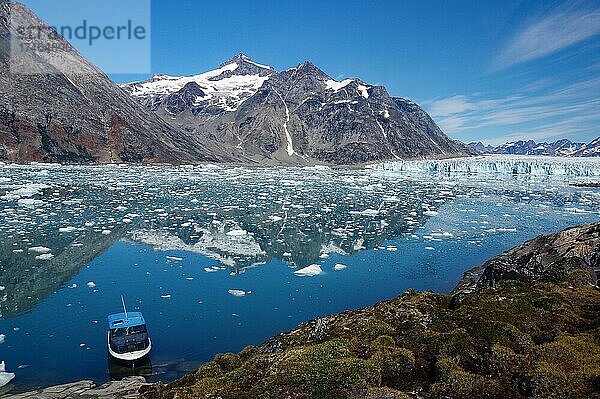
pixel 127 388
pixel 525 324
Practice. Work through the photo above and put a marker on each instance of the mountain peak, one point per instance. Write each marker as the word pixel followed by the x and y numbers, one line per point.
pixel 308 68
pixel 242 59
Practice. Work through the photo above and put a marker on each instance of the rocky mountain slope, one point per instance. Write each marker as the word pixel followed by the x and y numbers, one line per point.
pixel 534 334
pixel 559 148
pixel 298 116
pixel 58 107
pixel 64 109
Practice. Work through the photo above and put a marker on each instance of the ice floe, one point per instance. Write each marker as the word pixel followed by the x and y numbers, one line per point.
pixel 5 377
pixel 309 271
pixel 339 266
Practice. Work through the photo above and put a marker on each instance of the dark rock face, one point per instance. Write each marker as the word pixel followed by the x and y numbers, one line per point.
pixel 548 258
pixel 67 110
pixel 184 98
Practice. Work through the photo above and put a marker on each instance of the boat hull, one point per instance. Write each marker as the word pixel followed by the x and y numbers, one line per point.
pixel 129 358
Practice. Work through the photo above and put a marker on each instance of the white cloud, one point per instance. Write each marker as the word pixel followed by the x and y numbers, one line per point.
pixel 549 34
pixel 449 106
pixel 565 111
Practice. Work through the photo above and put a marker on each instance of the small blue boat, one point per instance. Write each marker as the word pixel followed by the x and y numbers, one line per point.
pixel 128 339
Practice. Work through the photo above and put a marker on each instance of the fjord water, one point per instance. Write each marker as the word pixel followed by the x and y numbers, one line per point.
pixel 182 244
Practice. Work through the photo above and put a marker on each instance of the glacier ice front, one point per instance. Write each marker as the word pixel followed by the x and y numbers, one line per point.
pixel 500 164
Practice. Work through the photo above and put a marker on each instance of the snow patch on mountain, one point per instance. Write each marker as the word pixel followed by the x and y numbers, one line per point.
pixel 335 85
pixel 223 87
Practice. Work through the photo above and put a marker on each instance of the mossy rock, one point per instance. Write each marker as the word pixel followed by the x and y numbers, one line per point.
pixel 383 342
pixel 248 352
pixel 581 277
pixel 570 366
pixel 454 382
pixel 228 361
pixel 380 393
pixel 395 364
pixel 371 328
pixel 503 361
pixel 323 371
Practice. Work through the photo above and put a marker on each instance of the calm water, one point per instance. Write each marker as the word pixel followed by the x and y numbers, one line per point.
pixel 175 241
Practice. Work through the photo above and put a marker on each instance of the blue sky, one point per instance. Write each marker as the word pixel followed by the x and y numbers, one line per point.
pixel 485 70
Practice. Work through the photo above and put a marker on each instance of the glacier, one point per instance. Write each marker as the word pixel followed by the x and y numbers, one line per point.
pixel 498 164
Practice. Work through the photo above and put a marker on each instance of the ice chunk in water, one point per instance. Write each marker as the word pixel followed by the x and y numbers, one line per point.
pixel 40 250
pixel 2 338
pixel 5 377
pixel 91 284
pixel 339 266
pixel 44 257
pixel 309 271
pixel 238 293
pixel 237 233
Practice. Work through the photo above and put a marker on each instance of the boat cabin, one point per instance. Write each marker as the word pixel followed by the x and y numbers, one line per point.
pixel 127 333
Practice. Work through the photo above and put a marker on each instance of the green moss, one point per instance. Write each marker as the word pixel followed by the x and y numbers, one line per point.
pixel 228 361
pixel 248 352
pixel 372 328
pixel 383 342
pixel 395 364
pixel 384 393
pixel 570 364
pixel 324 371
pixel 454 382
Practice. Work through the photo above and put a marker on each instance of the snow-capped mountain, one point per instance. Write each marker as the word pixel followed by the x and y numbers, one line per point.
pixel 589 150
pixel 298 116
pixel 559 148
pixel 481 148
pixel 223 89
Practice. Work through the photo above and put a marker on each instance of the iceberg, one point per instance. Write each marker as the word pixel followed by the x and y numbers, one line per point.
pixel 40 250
pixel 339 266
pixel 309 271
pixel 5 377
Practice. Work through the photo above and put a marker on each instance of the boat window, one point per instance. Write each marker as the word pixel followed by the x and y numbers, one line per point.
pixel 136 330
pixel 118 332
pixel 124 331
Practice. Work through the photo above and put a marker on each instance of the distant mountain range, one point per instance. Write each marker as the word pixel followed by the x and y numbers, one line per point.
pixel 242 112
pixel 560 148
